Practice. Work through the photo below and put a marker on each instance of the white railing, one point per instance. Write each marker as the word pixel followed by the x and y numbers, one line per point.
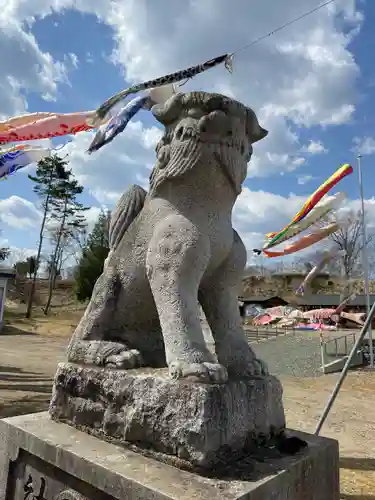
pixel 342 345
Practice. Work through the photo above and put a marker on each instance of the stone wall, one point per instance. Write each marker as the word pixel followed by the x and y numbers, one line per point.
pixel 285 285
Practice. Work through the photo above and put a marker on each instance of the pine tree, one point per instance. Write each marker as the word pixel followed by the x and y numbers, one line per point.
pixel 4 252
pixel 21 267
pixel 93 256
pixel 67 217
pixel 49 174
pixel 31 265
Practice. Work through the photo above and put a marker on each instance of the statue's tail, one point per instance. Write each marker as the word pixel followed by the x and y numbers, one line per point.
pixel 127 209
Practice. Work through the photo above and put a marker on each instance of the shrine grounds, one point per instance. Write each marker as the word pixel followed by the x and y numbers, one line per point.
pixel 31 349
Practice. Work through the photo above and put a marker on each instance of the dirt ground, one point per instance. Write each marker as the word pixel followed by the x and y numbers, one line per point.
pixel 31 349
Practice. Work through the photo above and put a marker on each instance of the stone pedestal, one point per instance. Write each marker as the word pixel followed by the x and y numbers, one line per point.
pixel 194 423
pixel 53 461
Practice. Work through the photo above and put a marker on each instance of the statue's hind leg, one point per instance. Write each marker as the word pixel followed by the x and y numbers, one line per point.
pixel 177 258
pixel 90 344
pixel 219 300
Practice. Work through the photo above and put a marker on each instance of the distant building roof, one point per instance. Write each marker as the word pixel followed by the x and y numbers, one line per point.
pixel 260 298
pixel 334 300
pixel 7 272
pixel 299 273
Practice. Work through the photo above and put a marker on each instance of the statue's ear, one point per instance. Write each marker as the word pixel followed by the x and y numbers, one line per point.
pixel 262 133
pixel 169 111
pixel 254 130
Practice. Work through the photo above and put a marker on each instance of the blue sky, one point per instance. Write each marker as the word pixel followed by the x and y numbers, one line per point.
pixel 312 85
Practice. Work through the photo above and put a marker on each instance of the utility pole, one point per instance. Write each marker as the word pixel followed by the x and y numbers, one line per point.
pixel 365 259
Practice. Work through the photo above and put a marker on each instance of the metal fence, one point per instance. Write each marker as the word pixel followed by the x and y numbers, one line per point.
pixel 339 346
pixel 260 333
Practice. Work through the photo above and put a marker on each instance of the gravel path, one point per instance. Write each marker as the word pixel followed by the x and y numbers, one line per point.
pixel 28 362
pixel 289 353
pixel 295 354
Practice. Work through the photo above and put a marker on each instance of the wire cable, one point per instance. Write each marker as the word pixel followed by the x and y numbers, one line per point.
pixel 283 26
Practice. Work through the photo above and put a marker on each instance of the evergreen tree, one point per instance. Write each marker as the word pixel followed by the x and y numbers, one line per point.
pixel 31 265
pixel 67 217
pixel 21 267
pixel 50 172
pixel 93 256
pixel 4 253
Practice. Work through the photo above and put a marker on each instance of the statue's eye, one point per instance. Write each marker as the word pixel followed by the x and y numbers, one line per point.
pixel 196 113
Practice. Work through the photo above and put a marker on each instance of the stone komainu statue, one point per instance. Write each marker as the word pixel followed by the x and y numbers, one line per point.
pixel 175 244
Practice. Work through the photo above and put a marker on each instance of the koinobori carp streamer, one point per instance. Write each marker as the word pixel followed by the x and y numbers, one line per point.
pixel 18 121
pixel 322 209
pixel 12 161
pixel 327 256
pixel 306 241
pixel 178 76
pixel 45 127
pixel 117 123
pixel 312 201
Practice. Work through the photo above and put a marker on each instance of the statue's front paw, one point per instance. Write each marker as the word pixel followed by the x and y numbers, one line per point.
pixel 258 367
pixel 206 373
pixel 126 360
pixel 253 367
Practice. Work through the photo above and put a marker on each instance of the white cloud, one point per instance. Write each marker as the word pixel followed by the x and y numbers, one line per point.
pixel 364 145
pixel 303 76
pixel 89 58
pixel 19 213
pixel 73 59
pixel 108 172
pixel 314 147
pixel 92 215
pixel 304 179
pixel 255 214
pixel 24 67
pixel 18 254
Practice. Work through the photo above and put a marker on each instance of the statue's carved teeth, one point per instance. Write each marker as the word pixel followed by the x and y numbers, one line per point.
pixel 188 133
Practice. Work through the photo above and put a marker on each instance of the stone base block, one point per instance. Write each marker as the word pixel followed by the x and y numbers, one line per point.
pixel 42 459
pixel 198 423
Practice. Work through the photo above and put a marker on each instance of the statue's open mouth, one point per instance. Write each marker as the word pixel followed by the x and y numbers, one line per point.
pixel 185 133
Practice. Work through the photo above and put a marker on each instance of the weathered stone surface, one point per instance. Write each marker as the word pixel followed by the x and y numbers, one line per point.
pixel 78 466
pixel 175 244
pixel 173 250
pixel 199 423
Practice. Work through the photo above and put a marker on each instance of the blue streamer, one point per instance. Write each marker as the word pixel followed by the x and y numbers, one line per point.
pixel 117 124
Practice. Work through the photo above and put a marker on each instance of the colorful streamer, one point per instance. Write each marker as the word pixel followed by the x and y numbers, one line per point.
pixel 178 76
pixel 312 201
pixel 50 126
pixel 327 256
pixel 344 303
pixel 323 208
pixel 21 120
pixel 18 147
pixel 117 123
pixel 12 161
pixel 306 241
pixel 319 314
